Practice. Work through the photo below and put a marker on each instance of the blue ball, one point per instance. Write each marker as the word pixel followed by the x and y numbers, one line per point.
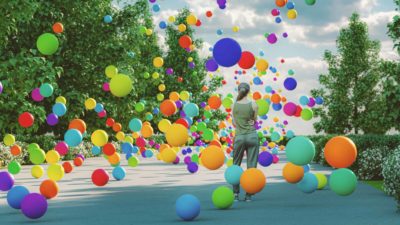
pixel 232 174
pixel 127 147
pixel 220 32
pixel 107 19
pixel 265 158
pixel 290 5
pixel 119 173
pixel 162 25
pixel 156 8
pixel 290 83
pixel 257 81
pixel 278 20
pixel 308 184
pixel 306 168
pixel 227 52
pixel 96 150
pixel 156 110
pixel 191 110
pixel 16 195
pixel 148 153
pixel 59 109
pixel 274 151
pixel 187 207
pixel 135 125
pixel 135 149
pixel 128 155
pixel 319 100
pixel 73 137
pixel 99 107
pixel 304 100
pixel 277 107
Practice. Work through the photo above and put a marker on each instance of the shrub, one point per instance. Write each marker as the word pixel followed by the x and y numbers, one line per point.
pixel 6 157
pixel 391 174
pixel 370 163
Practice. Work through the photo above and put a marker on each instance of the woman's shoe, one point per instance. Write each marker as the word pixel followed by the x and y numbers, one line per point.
pixel 236 197
pixel 247 198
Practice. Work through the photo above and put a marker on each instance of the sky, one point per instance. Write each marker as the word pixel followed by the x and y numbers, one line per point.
pixel 314 31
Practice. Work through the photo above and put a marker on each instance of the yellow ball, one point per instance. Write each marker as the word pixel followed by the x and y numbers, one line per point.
pixel 52 157
pixel 190 59
pixel 111 71
pixel 292 14
pixel 164 125
pixel 120 136
pixel 161 87
pixel 61 99
pixel 235 29
pixel 155 75
pixel 9 139
pixel 55 172
pixel 184 95
pixel 37 171
pixel 128 139
pixel 177 135
pixel 182 27
pixel 90 103
pixel 160 97
pixel 322 180
pixel 191 19
pixel 99 138
pixel 149 32
pixel 121 85
pixel 262 65
pixel 135 135
pixel 229 162
pixel 171 19
pixel 158 62
pixel 168 155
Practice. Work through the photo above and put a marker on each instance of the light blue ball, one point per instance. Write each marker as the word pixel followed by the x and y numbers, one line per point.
pixel 191 110
pixel 73 137
pixel 16 195
pixel 289 134
pixel 96 150
pixel 59 109
pixel 306 168
pixel 156 8
pixel 127 147
pixel 232 174
pixel 220 32
pixel 300 150
pixel 187 207
pixel 275 136
pixel 135 125
pixel 107 19
pixel 99 107
pixel 308 184
pixel 135 149
pixel 148 153
pixel 119 173
pixel 304 100
pixel 290 5
pixel 46 90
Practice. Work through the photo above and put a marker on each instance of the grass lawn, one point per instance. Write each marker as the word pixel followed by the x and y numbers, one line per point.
pixel 378 184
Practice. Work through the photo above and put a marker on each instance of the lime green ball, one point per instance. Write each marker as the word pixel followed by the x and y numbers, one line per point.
pixel 223 197
pixel 195 158
pixel 14 167
pixel 201 126
pixel 139 107
pixel 227 102
pixel 343 181
pixel 32 146
pixel 193 128
pixel 37 156
pixel 47 44
pixel 307 114
pixel 322 181
pixel 121 85
pixel 263 107
pixel 208 135
pixel 9 139
pixel 133 161
pixel 146 75
pixel 207 114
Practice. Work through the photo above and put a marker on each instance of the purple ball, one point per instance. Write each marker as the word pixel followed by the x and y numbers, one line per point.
pixel 265 158
pixel 157 146
pixel 6 181
pixel 1 87
pixel 182 114
pixel 222 6
pixel 203 104
pixel 311 103
pixel 178 104
pixel 290 108
pixel 211 65
pixel 177 160
pixel 52 119
pixel 152 1
pixel 285 35
pixel 36 96
pixel 81 156
pixel 192 167
pixel 192 65
pixel 169 71
pixel 221 2
pixel 34 206
pixel 272 38
pixel 187 160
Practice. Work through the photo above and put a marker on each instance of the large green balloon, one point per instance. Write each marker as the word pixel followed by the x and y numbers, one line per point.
pixel 263 107
pixel 47 44
pixel 307 114
pixel 120 85
pixel 208 135
pixel 223 197
pixel 14 167
pixel 343 181
pixel 37 156
pixel 207 114
pixel 300 150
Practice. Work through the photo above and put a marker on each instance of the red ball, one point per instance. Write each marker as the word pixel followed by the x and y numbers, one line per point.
pixel 223 82
pixel 247 60
pixel 180 79
pixel 183 122
pixel 209 14
pixel 67 167
pixel 26 120
pixel 298 111
pixel 78 161
pixel 109 149
pixel 100 177
pixel 110 122
pixel 198 23
pixel 185 41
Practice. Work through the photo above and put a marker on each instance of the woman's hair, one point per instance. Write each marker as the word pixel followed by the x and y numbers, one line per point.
pixel 244 89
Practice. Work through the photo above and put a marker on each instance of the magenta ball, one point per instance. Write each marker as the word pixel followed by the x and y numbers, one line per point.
pixel 102 114
pixel 311 103
pixel 290 108
pixel 169 71
pixel 187 160
pixel 275 158
pixel 177 160
pixel 36 96
pixel 34 206
pixel 272 38
pixel 275 12
pixel 106 86
pixel 6 181
pixel 61 147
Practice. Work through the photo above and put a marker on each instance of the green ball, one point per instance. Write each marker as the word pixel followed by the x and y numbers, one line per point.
pixel 193 128
pixel 201 126
pixel 139 107
pixel 133 161
pixel 33 146
pixel 121 85
pixel 46 90
pixel 195 158
pixel 263 107
pixel 146 75
pixel 14 167
pixel 47 44
pixel 300 150
pixel 343 181
pixel 208 135
pixel 37 156
pixel 310 2
pixel 223 197
pixel 207 114
pixel 307 114
pixel 227 102
pixel 322 180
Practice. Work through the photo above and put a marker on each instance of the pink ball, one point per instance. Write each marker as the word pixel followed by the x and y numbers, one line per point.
pixel 102 114
pixel 275 159
pixel 290 108
pixel 275 12
pixel 36 96
pixel 61 147
pixel 106 87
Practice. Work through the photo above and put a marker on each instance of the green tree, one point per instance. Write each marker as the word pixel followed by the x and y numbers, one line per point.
pixel 352 88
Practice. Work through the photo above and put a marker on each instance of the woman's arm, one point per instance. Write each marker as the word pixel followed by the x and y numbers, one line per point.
pixel 255 108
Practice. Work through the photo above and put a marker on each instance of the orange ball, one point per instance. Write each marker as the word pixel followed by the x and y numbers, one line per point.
pixel 256 95
pixel 58 28
pixel 292 173
pixel 164 146
pixel 340 152
pixel 67 167
pixel 214 102
pixel 114 158
pixel 204 88
pixel 109 149
pixel 147 131
pixel 77 124
pixel 15 150
pixel 280 3
pixel 168 107
pixel 174 96
pixel 252 180
pixel 212 157
pixel 49 189
pixel 216 143
pixel 78 161
pixel 275 98
pixel 117 127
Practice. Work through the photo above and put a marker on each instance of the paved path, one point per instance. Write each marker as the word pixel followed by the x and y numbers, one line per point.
pixel 148 194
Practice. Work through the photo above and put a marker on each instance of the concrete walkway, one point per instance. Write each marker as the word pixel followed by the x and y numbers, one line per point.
pixel 148 194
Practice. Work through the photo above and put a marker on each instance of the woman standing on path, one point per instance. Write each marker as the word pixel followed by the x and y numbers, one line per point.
pixel 246 138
